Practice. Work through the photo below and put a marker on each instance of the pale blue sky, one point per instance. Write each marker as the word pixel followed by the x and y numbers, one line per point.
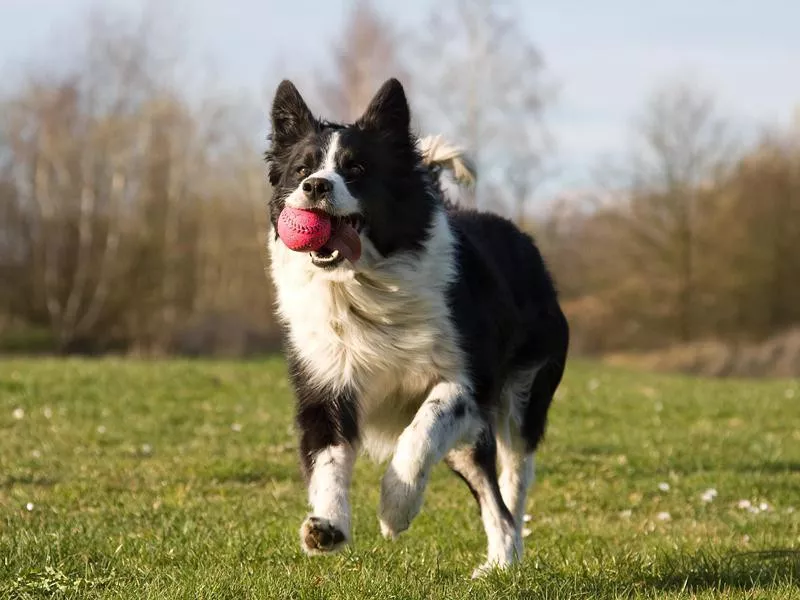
pixel 606 56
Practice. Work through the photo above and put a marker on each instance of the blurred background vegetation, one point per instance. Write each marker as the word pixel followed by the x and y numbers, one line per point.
pixel 132 205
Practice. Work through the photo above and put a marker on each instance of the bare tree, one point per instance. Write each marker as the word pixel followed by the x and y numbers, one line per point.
pixel 363 58
pixel 482 81
pixel 758 227
pixel 683 150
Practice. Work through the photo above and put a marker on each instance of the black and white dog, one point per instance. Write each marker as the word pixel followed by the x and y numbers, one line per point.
pixel 420 331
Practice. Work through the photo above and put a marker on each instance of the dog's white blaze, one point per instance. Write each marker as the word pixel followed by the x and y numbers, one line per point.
pixel 329 484
pixel 342 202
pixel 329 162
pixel 381 328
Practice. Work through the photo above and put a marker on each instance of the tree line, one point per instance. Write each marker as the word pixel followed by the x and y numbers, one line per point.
pixel 132 213
pixel 696 241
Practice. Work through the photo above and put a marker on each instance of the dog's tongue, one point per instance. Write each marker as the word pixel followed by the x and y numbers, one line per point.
pixel 345 239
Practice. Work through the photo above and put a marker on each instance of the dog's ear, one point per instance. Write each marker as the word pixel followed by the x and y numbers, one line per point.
pixel 291 118
pixel 388 110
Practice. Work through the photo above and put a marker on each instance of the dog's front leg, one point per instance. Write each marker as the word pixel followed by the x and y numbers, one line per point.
pixel 448 416
pixel 328 439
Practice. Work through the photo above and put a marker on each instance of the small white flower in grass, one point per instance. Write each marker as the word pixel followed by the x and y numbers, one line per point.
pixel 764 506
pixel 101 429
pixel 48 412
pixel 527 518
pixel 18 414
pixel 626 514
pixel 525 532
pixel 663 486
pixel 743 504
pixel 664 516
pixel 708 495
pixel 237 427
pixel 147 449
pixel 29 506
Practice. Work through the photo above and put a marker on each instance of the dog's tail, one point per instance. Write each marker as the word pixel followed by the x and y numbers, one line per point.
pixel 438 154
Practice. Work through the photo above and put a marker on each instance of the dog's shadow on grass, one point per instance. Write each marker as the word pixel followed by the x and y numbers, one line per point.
pixel 781 467
pixel 10 481
pixel 740 570
pixel 681 573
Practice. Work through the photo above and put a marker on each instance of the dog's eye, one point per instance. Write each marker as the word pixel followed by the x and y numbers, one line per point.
pixel 353 170
pixel 302 172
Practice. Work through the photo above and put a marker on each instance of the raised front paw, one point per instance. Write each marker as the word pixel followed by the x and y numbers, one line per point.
pixel 320 536
pixel 401 500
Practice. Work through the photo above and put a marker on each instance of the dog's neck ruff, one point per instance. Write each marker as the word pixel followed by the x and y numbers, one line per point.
pixel 386 321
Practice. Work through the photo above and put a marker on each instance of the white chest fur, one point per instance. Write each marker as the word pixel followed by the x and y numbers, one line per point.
pixel 383 330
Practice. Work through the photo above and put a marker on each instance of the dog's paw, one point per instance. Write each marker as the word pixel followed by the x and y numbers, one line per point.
pixel 320 536
pixel 510 554
pixel 490 567
pixel 483 570
pixel 401 500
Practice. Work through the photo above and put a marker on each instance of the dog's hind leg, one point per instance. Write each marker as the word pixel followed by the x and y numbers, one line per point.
pixel 516 459
pixel 517 476
pixel 476 465
pixel 527 396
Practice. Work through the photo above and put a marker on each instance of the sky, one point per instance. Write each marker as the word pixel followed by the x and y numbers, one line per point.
pixel 605 57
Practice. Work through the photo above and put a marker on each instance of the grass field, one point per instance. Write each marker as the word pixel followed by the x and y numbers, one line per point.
pixel 179 480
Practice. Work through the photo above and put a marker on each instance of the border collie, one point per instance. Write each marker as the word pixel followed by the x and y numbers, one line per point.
pixel 421 331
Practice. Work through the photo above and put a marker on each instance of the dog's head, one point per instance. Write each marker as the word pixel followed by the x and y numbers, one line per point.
pixel 367 175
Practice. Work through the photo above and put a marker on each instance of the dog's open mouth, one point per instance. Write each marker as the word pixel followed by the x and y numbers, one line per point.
pixel 344 243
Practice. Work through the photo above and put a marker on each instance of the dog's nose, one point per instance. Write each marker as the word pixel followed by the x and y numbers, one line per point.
pixel 317 188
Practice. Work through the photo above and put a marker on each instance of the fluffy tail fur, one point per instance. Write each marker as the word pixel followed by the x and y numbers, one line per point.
pixel 438 154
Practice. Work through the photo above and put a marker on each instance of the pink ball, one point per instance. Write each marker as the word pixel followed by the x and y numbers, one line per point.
pixel 304 230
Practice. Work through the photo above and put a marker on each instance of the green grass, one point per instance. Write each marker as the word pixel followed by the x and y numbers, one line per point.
pixel 179 480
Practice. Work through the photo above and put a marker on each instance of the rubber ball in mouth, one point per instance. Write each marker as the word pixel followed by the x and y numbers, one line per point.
pixel 304 230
